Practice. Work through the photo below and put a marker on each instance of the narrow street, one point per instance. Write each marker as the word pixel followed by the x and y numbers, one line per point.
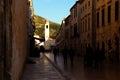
pixel 60 40
pixel 40 69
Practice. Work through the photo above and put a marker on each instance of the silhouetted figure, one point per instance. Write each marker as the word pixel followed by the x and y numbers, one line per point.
pixel 64 53
pixel 71 55
pixel 88 57
pixel 55 53
pixel 102 55
pixel 36 52
pixel 97 57
pixel 32 44
pixel 42 49
pixel 111 55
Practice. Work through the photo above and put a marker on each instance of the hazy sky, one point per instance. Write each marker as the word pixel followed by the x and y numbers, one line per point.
pixel 54 10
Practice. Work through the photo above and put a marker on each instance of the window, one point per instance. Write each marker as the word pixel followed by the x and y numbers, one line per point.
pixel 97 19
pixel 75 30
pixel 71 34
pixel 75 12
pixel 81 28
pixel 116 10
pixel 88 22
pixel 81 10
pixel 103 17
pixel 85 24
pixel 85 6
pixel 88 3
pixel 109 14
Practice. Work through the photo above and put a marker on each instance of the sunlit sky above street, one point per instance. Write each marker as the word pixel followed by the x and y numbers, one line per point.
pixel 54 10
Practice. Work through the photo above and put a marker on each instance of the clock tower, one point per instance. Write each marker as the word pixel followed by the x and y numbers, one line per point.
pixel 47 30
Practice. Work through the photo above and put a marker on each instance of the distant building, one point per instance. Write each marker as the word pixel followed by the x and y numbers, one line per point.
pixel 49 41
pixel 60 37
pixel 47 30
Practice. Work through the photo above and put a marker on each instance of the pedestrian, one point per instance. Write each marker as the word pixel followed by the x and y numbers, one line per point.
pixel 102 55
pixel 42 49
pixel 111 55
pixel 64 53
pixel 97 57
pixel 55 53
pixel 88 57
pixel 71 55
pixel 36 52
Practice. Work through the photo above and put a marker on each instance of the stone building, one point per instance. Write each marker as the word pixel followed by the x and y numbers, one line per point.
pixel 108 27
pixel 74 28
pixel 60 37
pixel 64 36
pixel 85 23
pixel 94 23
pixel 67 34
pixel 14 38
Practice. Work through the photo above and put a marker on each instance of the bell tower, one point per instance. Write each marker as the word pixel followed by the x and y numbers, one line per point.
pixel 47 30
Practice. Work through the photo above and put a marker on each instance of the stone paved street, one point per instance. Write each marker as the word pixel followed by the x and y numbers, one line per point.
pixel 107 71
pixel 41 69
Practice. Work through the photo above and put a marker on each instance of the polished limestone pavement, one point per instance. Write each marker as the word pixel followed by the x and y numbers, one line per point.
pixel 40 69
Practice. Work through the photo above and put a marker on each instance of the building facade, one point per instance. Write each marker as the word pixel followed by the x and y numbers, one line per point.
pixel 85 23
pixel 60 37
pixel 67 34
pixel 108 27
pixel 94 23
pixel 14 38
pixel 74 28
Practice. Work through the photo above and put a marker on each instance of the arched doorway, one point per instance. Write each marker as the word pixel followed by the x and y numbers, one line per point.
pixel 117 48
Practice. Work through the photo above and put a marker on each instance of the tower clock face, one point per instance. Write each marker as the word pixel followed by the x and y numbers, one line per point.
pixel 46 30
pixel 47 26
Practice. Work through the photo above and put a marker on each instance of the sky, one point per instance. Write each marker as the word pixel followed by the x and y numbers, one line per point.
pixel 54 10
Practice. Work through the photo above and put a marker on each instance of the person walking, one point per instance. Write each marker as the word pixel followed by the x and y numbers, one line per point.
pixel 42 49
pixel 71 55
pixel 64 53
pixel 55 54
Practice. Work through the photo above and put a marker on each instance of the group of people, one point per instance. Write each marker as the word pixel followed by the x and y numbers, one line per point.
pixel 65 54
pixel 37 50
pixel 95 58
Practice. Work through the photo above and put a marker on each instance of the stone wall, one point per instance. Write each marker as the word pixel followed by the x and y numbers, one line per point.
pixel 1 39
pixel 19 37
